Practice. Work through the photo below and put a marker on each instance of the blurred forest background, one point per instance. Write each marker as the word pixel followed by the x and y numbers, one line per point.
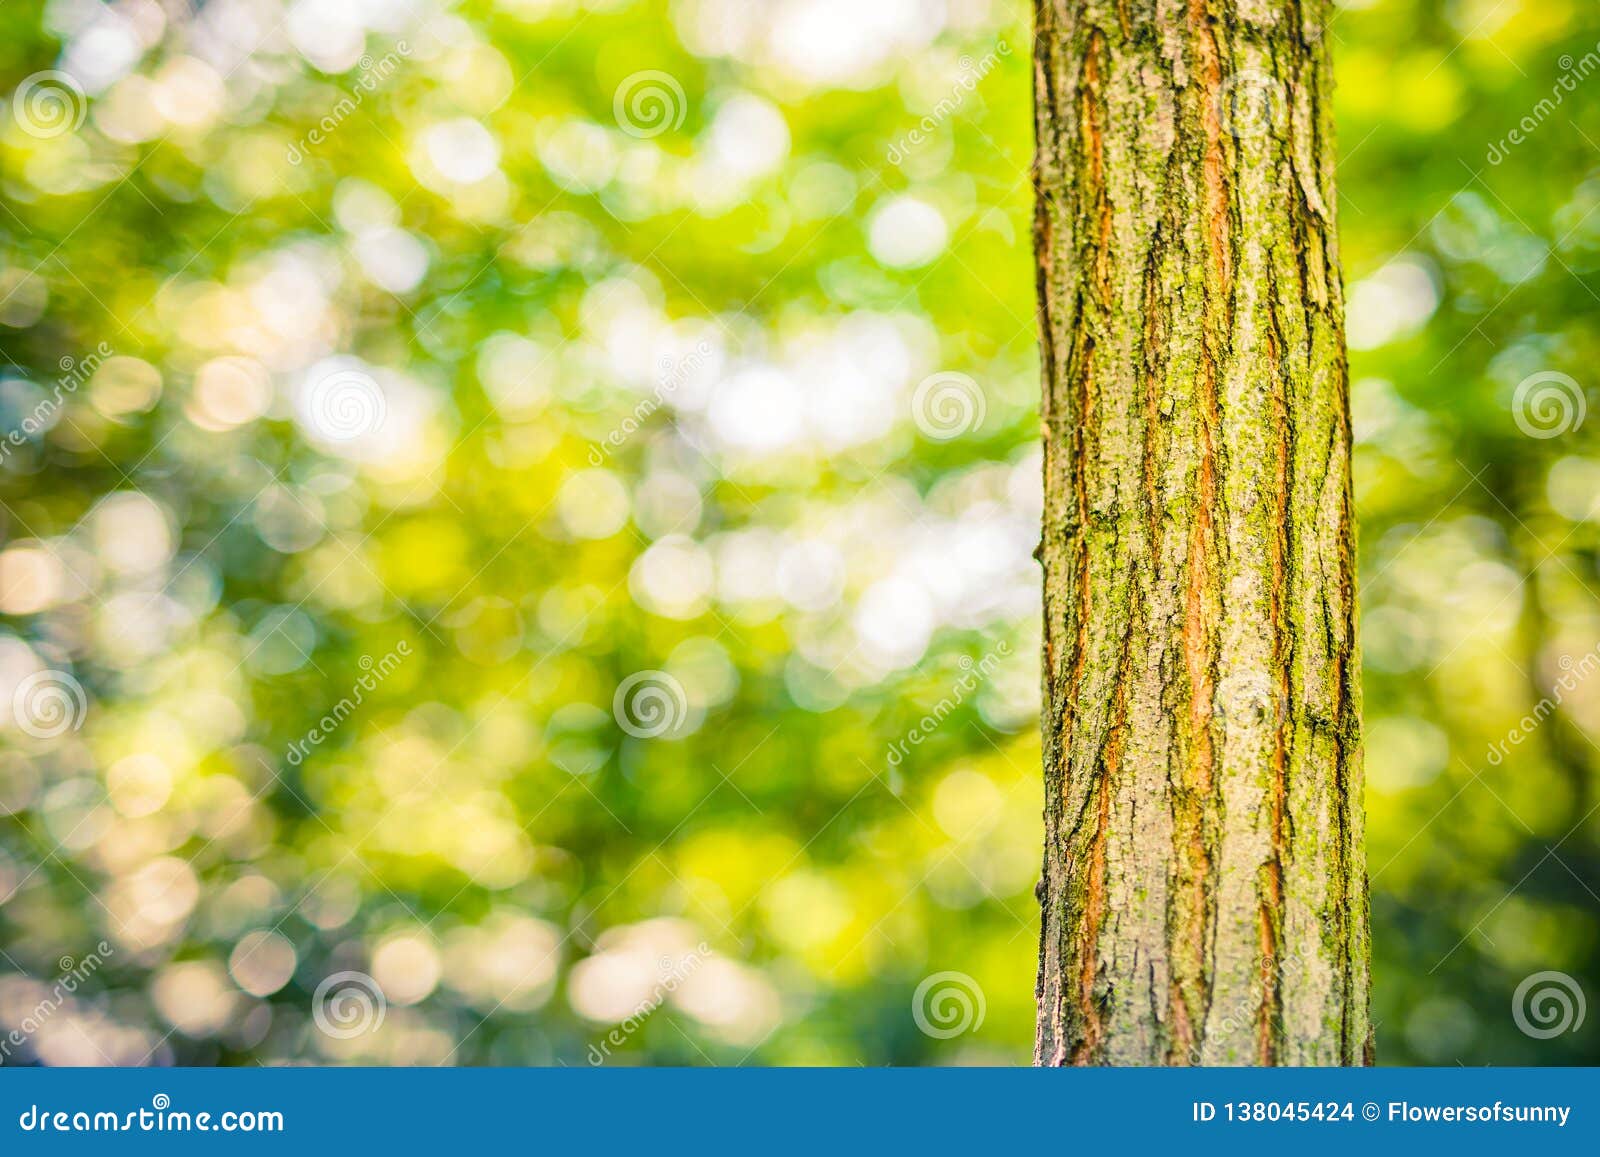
pixel 516 527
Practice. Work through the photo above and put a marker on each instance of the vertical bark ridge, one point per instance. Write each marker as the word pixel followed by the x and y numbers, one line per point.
pixel 1270 1014
pixel 1202 889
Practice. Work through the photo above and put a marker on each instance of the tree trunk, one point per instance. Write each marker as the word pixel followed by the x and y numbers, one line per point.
pixel 1204 887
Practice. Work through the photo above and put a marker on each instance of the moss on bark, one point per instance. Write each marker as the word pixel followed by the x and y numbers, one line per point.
pixel 1204 888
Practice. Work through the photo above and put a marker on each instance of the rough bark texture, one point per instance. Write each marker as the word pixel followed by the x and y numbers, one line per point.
pixel 1204 885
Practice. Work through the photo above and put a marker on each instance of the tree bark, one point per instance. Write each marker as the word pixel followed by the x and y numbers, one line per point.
pixel 1204 887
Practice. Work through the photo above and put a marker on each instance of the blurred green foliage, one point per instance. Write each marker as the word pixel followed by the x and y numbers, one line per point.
pixel 537 499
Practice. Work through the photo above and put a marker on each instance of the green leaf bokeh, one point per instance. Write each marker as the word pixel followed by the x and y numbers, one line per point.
pixel 396 383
